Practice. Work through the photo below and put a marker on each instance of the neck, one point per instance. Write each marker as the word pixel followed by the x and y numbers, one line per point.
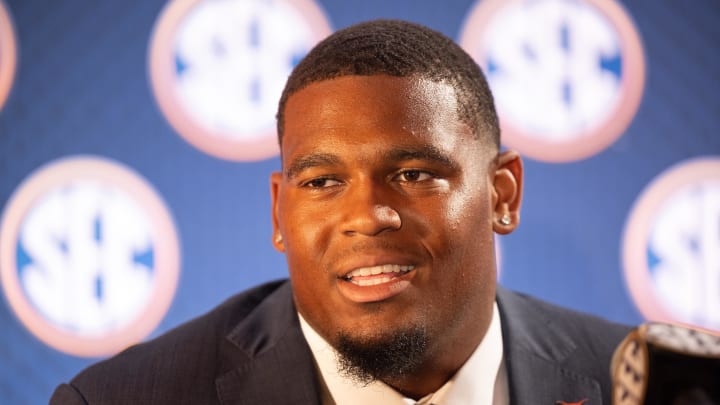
pixel 445 357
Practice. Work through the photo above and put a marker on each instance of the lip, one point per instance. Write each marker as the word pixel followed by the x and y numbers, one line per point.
pixel 373 259
pixel 376 287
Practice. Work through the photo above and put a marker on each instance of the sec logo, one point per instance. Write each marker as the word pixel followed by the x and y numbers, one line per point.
pixel 89 257
pixel 567 75
pixel 671 246
pixel 218 68
pixel 8 54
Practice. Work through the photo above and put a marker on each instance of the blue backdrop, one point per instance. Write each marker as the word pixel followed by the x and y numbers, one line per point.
pixel 82 90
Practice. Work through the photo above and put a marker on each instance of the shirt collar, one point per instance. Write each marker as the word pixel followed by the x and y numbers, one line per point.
pixel 481 380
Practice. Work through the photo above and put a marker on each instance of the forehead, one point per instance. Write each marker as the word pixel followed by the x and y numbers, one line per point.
pixel 369 109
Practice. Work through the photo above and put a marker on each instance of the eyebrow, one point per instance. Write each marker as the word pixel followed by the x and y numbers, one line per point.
pixel 426 153
pixel 308 161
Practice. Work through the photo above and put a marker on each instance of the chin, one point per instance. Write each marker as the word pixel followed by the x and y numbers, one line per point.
pixel 382 354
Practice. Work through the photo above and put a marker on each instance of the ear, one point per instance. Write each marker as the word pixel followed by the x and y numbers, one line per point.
pixel 507 192
pixel 275 184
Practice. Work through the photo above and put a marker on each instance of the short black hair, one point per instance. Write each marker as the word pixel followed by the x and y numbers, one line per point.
pixel 402 49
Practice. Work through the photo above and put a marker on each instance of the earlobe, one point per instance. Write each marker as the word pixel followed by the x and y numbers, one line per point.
pixel 278 242
pixel 507 192
pixel 275 183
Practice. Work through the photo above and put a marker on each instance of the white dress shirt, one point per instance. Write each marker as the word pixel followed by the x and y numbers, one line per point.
pixel 481 380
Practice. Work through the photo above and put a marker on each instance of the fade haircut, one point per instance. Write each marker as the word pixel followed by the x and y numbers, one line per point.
pixel 402 49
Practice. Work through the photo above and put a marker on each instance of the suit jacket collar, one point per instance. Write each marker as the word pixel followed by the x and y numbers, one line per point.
pixel 536 355
pixel 267 358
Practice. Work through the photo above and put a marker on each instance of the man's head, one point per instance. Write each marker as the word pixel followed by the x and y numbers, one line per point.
pixel 392 186
pixel 402 49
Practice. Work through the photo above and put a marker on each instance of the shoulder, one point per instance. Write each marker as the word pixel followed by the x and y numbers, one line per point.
pixel 521 302
pixel 524 310
pixel 580 343
pixel 181 363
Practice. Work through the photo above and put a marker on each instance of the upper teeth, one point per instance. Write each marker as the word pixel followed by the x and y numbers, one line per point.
pixel 374 270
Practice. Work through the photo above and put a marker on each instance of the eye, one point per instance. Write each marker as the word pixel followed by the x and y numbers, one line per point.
pixel 413 175
pixel 321 182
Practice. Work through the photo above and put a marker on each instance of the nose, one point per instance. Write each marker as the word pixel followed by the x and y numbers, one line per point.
pixel 368 211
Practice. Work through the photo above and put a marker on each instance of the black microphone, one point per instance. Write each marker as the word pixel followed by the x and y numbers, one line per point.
pixel 667 364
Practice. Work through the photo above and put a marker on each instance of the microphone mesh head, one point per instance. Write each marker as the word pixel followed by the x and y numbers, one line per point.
pixel 660 363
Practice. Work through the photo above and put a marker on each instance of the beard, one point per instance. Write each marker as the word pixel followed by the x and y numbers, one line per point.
pixel 385 356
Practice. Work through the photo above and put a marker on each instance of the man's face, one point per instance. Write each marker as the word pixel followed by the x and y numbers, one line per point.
pixel 386 207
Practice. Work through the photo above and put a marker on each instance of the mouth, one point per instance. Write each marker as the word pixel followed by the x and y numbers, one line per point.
pixel 375 283
pixel 374 275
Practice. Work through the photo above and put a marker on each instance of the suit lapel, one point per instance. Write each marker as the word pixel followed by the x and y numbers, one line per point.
pixel 536 350
pixel 536 381
pixel 267 358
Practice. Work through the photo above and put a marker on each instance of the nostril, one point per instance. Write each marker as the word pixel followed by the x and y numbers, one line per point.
pixel 372 221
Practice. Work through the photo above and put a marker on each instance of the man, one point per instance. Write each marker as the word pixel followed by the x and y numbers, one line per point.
pixel 391 188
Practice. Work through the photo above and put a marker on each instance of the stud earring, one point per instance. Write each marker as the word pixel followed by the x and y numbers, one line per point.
pixel 505 219
pixel 278 238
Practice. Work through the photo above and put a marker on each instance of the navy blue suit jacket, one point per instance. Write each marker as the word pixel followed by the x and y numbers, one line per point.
pixel 251 350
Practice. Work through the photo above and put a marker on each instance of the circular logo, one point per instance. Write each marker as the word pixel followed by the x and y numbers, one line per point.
pixel 567 75
pixel 217 69
pixel 671 246
pixel 7 54
pixel 89 257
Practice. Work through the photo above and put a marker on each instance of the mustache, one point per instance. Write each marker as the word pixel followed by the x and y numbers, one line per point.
pixel 378 246
pixel 375 247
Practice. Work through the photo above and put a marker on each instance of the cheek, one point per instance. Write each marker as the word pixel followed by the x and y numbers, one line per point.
pixel 305 228
pixel 307 234
pixel 467 216
pixel 304 253
pixel 305 248
pixel 466 244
